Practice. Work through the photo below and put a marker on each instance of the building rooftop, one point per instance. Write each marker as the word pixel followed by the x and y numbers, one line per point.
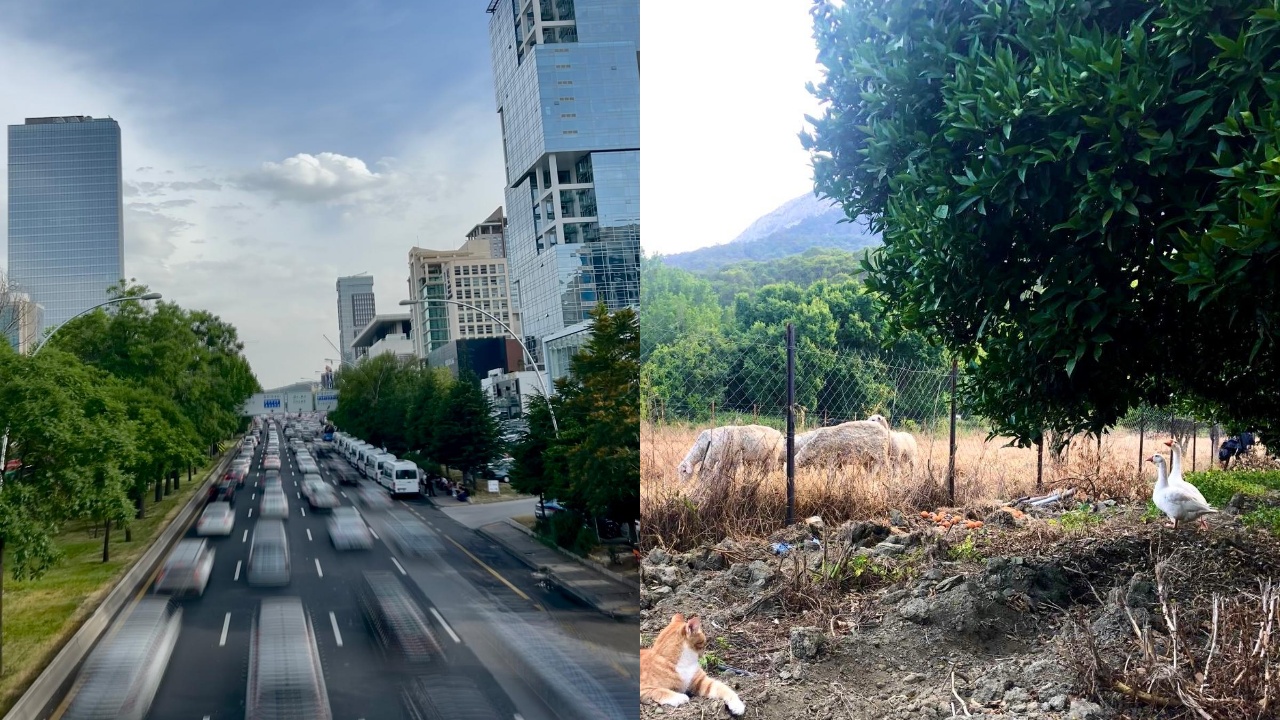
pixel 66 119
pixel 379 327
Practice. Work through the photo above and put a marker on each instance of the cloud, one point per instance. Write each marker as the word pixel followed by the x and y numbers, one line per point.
pixel 177 203
pixel 323 178
pixel 205 184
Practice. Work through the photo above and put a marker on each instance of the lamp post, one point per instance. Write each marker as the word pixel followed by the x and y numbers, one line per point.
pixel 537 373
pixel 4 441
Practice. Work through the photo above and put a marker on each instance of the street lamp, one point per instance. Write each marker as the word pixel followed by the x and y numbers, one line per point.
pixel 4 441
pixel 537 373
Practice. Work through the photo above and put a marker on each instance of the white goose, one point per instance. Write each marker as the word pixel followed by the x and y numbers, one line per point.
pixel 1180 501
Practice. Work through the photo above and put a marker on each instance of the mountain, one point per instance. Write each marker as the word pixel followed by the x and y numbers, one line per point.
pixel 799 225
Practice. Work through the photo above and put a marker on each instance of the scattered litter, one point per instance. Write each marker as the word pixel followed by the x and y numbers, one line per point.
pixel 780 548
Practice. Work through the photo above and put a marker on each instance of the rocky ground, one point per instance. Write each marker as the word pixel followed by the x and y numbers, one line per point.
pixel 1059 613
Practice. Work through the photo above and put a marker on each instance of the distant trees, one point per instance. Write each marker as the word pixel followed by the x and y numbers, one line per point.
pixel 1078 198
pixel 409 409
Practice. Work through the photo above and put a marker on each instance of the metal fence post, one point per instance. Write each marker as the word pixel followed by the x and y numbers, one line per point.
pixel 1142 436
pixel 1195 428
pixel 791 424
pixel 951 459
pixel 1040 462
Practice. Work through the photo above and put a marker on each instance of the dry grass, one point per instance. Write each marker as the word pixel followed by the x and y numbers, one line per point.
pixel 752 504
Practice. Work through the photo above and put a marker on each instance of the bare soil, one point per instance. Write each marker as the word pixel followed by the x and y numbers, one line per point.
pixel 1026 617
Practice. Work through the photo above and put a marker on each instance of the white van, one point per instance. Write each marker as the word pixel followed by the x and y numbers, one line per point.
pixel 358 456
pixel 400 477
pixel 373 463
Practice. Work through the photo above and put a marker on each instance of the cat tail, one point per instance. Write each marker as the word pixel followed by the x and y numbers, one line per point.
pixel 707 686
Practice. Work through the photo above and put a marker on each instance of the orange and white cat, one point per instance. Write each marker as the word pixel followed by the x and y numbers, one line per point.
pixel 670 668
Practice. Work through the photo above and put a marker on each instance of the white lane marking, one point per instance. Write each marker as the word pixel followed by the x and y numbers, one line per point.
pixel 399 566
pixel 299 495
pixel 374 534
pixel 336 635
pixel 318 570
pixel 254 496
pixel 226 622
pixel 250 512
pixel 237 577
pixel 344 493
pixel 245 536
pixel 447 629
pixel 518 717
pixel 303 511
pixel 309 534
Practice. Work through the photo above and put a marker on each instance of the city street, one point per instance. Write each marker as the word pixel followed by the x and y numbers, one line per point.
pixel 507 640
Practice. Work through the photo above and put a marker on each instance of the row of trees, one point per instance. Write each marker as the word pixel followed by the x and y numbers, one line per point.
pixel 1078 199
pixel 419 413
pixel 719 341
pixel 117 404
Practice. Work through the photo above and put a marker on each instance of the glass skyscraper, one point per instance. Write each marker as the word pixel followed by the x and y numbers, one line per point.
pixel 66 212
pixel 355 310
pixel 567 81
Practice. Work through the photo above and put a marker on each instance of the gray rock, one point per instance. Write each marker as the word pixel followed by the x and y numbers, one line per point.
pixel 658 556
pixel 895 597
pixel 933 574
pixel 760 575
pixel 896 519
pixel 1086 710
pixel 669 575
pixel 1016 695
pixel 889 548
pixel 1057 702
pixel 949 583
pixel 858 533
pixel 912 678
pixel 990 689
pixel 806 642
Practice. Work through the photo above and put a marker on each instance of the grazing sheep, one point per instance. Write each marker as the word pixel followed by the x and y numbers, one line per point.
pixel 719 449
pixel 902 449
pixel 862 442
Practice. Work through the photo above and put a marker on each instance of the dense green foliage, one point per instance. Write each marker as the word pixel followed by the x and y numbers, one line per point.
pixel 114 402
pixel 592 465
pixel 1079 198
pixel 413 410
pixel 721 340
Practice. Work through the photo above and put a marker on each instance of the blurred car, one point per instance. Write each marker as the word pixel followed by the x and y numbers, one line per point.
pixel 308 466
pixel 237 474
pixel 396 621
pixel 223 491
pixel 268 555
pixel 271 462
pixel 547 508
pixel 348 531
pixel 373 499
pixel 450 696
pixel 274 504
pixel 323 497
pixel 308 485
pixel 120 678
pixel 410 536
pixel 286 679
pixel 187 569
pixel 218 519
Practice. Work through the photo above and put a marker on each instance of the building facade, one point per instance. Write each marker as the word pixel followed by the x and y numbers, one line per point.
pixel 20 321
pixel 475 274
pixel 567 85
pixel 509 393
pixel 355 309
pixel 477 356
pixel 385 335
pixel 66 212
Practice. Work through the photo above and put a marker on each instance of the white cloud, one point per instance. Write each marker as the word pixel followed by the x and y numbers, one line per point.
pixel 326 178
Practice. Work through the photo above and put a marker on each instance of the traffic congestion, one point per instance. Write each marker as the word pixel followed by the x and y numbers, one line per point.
pixel 315 583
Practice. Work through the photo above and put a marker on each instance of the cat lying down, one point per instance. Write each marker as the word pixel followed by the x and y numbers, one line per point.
pixel 670 668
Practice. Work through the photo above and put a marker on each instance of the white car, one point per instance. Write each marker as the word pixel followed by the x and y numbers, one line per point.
pixel 348 531
pixel 271 462
pixel 187 568
pixel 274 505
pixel 218 519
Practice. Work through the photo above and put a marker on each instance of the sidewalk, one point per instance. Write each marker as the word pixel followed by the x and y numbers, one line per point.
pixel 591 585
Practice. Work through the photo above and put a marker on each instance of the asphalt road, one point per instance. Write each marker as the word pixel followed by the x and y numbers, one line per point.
pixel 526 648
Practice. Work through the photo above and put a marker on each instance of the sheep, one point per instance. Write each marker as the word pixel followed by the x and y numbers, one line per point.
pixel 864 442
pixel 902 449
pixel 718 449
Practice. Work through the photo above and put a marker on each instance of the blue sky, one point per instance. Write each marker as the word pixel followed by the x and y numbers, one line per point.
pixel 307 140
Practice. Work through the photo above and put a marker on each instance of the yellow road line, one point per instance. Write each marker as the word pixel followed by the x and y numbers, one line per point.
pixel 492 572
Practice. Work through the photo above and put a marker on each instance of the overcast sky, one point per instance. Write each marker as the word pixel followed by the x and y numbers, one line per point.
pixel 271 147
pixel 723 103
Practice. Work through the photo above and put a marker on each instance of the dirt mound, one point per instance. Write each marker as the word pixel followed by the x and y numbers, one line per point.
pixel 868 621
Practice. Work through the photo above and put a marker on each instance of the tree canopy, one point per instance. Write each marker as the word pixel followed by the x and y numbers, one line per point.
pixel 1078 198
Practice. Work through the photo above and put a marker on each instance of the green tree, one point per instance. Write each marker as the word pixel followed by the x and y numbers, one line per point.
pixel 466 433
pixel 536 467
pixel 600 423
pixel 1076 197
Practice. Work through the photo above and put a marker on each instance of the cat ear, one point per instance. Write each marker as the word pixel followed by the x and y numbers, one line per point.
pixel 693 626
pixel 677 618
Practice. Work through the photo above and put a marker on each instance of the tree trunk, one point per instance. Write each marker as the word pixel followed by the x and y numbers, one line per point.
pixel 189 471
pixel 1 603
pixel 106 542
pixel 141 502
pixel 159 489
pixel 128 534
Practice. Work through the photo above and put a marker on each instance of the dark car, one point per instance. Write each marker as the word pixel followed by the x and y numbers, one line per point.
pixel 450 696
pixel 224 491
pixel 396 621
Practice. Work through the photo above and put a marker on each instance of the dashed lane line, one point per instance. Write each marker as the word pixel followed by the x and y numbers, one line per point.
pixel 226 623
pixel 237 577
pixel 447 629
pixel 399 566
pixel 337 636
pixel 318 570
pixel 309 534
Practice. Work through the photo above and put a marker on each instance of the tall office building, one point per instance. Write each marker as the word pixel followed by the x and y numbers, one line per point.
pixel 355 310
pixel 567 82
pixel 66 212
pixel 20 321
pixel 475 274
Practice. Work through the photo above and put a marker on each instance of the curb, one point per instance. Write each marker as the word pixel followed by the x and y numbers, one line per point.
pixel 577 558
pixel 58 675
pixel 555 582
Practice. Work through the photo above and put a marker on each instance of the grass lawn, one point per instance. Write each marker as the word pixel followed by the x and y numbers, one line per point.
pixel 41 615
pixel 505 492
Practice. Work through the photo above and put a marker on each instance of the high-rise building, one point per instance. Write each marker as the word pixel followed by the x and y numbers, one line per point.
pixel 474 274
pixel 355 310
pixel 20 321
pixel 567 82
pixel 66 212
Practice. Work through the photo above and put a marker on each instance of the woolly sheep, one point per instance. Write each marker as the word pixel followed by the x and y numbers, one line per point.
pixel 902 449
pixel 718 448
pixel 864 442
